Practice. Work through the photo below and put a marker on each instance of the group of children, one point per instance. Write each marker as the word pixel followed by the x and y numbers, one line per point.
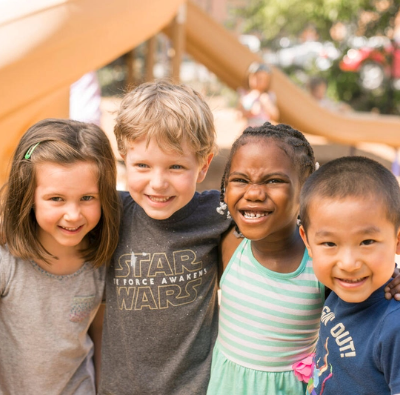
pixel 154 254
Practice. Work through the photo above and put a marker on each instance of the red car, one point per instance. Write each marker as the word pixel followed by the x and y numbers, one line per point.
pixel 375 64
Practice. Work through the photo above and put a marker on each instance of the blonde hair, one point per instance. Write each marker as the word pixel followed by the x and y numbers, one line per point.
pixel 63 142
pixel 171 114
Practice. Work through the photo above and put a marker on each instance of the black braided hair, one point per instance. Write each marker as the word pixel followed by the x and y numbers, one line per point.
pixel 294 144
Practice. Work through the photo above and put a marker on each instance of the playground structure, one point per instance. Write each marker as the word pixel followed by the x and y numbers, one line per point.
pixel 48 44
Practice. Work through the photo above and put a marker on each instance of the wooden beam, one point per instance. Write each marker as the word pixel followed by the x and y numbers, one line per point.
pixel 130 72
pixel 150 61
pixel 178 42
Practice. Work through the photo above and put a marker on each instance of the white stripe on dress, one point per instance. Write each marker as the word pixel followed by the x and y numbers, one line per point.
pixel 252 316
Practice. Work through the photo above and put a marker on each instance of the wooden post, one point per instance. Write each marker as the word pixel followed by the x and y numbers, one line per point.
pixel 178 42
pixel 130 73
pixel 150 52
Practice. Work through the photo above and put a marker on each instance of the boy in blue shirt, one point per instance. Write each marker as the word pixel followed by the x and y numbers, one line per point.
pixel 161 288
pixel 350 215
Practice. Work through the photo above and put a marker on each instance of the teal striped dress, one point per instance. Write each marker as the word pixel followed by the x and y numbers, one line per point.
pixel 267 322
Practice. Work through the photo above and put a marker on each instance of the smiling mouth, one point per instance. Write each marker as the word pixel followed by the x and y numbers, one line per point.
pixel 159 199
pixel 71 229
pixel 352 280
pixel 254 214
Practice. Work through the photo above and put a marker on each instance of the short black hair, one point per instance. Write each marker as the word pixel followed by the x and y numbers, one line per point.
pixel 292 142
pixel 352 176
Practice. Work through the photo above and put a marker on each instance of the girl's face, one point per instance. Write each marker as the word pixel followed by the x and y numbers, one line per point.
pixel 66 204
pixel 263 190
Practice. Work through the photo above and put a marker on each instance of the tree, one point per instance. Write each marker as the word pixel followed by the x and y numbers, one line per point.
pixel 274 18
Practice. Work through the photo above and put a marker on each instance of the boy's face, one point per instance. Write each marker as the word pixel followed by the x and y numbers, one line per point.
pixel 352 244
pixel 162 182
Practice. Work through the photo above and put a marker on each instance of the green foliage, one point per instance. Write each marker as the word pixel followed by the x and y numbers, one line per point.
pixel 275 18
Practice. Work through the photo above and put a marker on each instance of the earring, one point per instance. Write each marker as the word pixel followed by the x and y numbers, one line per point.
pixel 298 221
pixel 221 210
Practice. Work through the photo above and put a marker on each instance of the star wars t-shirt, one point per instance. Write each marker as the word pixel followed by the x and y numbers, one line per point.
pixel 161 305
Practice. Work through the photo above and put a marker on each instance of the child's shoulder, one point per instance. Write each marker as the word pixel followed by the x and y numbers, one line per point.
pixel 392 311
pixel 124 196
pixel 5 256
pixel 208 196
pixel 207 203
pixel 7 268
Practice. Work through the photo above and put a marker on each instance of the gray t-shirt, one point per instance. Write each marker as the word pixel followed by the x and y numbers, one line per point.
pixel 162 310
pixel 44 318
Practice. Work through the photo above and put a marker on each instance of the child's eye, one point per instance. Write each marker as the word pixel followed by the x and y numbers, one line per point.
pixel 274 181
pixel 141 165
pixel 367 242
pixel 56 199
pixel 176 167
pixel 87 198
pixel 329 244
pixel 238 180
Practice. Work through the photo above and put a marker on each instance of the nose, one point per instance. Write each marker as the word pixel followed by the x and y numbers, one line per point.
pixel 349 261
pixel 255 192
pixel 73 212
pixel 159 180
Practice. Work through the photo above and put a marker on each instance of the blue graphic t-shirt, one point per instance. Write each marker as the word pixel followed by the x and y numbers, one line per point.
pixel 358 348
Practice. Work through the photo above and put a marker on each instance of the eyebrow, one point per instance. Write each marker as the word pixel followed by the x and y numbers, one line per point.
pixel 237 173
pixel 57 193
pixel 370 230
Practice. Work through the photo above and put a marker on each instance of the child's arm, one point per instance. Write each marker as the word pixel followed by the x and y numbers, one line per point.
pixel 392 290
pixel 388 351
pixel 244 112
pixel 96 332
pixel 228 246
pixel 269 107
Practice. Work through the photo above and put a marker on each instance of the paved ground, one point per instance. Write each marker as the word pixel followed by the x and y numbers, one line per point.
pixel 229 126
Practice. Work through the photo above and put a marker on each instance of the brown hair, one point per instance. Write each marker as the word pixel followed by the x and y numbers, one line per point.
pixel 168 113
pixel 62 142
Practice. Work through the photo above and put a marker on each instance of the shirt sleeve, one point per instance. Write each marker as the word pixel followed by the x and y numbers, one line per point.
pixel 2 275
pixel 387 354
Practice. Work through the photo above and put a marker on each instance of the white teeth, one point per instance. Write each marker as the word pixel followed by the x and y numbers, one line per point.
pixel 357 280
pixel 252 214
pixel 156 199
pixel 70 229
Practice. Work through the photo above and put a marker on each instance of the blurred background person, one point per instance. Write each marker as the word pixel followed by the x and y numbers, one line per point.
pixel 85 99
pixel 258 104
pixel 317 87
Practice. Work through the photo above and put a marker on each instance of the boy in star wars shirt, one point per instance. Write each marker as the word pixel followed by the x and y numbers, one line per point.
pixel 161 307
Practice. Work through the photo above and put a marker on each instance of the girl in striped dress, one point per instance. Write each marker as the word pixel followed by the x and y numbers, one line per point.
pixel 271 300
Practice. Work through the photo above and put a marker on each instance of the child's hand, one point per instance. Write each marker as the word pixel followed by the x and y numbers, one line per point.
pixel 393 288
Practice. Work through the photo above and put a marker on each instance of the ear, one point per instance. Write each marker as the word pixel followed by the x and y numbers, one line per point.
pixel 204 169
pixel 398 242
pixel 305 241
